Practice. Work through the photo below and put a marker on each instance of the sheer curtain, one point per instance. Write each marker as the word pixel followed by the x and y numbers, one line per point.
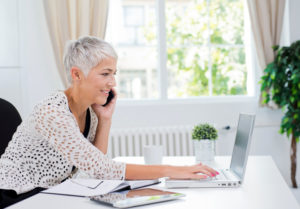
pixel 266 18
pixel 70 19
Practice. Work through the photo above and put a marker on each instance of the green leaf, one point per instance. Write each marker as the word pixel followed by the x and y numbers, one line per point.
pixel 289 132
pixel 264 94
pixel 294 91
pixel 263 86
pixel 285 120
pixel 292 99
pixel 204 131
pixel 283 108
pixel 273 75
pixel 281 131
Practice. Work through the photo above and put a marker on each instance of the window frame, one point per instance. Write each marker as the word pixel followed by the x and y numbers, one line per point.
pixel 252 87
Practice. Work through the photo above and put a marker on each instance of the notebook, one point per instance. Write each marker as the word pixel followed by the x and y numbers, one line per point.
pixel 232 177
pixel 92 187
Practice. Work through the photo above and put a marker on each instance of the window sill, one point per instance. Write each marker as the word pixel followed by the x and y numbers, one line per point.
pixel 196 100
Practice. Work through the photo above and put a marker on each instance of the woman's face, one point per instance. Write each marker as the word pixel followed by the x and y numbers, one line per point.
pixel 99 81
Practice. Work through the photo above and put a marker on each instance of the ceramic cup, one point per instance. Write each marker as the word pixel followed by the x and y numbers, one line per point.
pixel 153 154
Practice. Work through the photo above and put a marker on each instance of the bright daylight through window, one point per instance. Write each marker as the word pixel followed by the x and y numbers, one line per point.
pixel 204 46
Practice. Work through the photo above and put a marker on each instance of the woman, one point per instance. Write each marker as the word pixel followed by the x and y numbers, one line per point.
pixel 70 129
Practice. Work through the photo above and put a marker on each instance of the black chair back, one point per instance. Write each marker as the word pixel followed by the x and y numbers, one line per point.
pixel 10 119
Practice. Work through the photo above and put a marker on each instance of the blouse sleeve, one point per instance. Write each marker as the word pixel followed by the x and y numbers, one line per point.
pixel 60 128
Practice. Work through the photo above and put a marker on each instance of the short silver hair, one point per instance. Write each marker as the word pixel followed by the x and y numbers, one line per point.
pixel 85 53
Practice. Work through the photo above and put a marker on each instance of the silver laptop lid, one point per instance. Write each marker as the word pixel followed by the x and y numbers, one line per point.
pixel 242 145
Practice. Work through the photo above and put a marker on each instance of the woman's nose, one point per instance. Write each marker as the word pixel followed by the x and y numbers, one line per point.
pixel 112 82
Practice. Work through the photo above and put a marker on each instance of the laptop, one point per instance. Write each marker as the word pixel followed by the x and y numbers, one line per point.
pixel 232 177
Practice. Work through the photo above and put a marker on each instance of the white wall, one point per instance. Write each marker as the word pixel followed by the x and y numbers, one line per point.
pixel 294 6
pixel 35 76
pixel 28 71
pixel 39 73
pixel 10 78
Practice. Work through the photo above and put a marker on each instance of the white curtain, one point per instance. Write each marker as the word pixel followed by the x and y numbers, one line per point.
pixel 70 19
pixel 266 18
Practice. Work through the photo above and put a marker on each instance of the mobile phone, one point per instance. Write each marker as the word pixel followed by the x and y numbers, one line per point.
pixel 109 98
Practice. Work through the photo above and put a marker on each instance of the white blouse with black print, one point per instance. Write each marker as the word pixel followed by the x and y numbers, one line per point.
pixel 48 144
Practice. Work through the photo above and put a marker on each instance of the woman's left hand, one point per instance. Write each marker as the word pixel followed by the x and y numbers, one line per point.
pixel 105 112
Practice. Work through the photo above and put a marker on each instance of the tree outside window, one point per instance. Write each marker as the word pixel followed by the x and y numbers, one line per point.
pixel 205 47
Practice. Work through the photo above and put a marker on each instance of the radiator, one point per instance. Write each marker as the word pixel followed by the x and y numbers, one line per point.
pixel 176 141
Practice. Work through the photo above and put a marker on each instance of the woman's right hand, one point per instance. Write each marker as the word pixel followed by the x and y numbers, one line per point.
pixel 198 171
pixel 139 172
pixel 106 112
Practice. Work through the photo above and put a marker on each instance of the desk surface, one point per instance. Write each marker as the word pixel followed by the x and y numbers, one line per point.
pixel 263 188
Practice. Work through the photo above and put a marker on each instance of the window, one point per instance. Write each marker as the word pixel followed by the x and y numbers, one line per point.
pixel 202 42
pixel 132 30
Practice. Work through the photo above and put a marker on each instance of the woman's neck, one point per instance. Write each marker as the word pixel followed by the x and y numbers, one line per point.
pixel 77 104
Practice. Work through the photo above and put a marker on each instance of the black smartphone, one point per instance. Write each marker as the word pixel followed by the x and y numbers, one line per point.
pixel 109 98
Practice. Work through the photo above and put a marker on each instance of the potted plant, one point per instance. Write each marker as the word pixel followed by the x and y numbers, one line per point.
pixel 281 85
pixel 204 136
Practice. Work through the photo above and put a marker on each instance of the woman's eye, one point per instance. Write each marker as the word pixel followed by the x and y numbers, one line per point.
pixel 105 74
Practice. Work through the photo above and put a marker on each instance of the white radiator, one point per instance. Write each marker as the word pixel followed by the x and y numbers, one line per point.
pixel 130 142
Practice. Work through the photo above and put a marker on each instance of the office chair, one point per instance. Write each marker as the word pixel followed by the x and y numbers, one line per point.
pixel 10 119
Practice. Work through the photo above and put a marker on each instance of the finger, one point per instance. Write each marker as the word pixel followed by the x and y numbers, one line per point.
pixel 197 176
pixel 111 104
pixel 203 171
pixel 211 170
pixel 200 168
pixel 115 93
pixel 97 106
pixel 206 170
pixel 114 99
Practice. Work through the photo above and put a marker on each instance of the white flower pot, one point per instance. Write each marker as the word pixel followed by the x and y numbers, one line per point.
pixel 204 150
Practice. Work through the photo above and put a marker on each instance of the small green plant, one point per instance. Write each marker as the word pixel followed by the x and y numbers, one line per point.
pixel 204 131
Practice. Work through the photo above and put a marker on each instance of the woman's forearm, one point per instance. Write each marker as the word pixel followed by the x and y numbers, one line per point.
pixel 102 135
pixel 198 171
pixel 145 171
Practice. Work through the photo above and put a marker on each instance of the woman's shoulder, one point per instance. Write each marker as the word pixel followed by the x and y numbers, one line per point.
pixel 56 100
pixel 56 97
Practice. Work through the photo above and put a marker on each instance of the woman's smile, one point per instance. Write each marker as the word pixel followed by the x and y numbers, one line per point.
pixel 105 92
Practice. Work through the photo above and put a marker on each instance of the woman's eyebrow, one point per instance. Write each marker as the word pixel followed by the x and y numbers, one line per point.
pixel 110 70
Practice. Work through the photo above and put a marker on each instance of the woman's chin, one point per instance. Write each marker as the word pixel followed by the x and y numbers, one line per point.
pixel 101 101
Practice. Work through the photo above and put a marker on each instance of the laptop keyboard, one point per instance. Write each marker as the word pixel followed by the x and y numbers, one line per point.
pixel 223 175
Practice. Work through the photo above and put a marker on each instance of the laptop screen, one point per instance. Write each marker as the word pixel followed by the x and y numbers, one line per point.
pixel 242 144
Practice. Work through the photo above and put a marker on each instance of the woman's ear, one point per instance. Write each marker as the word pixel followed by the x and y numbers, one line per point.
pixel 76 74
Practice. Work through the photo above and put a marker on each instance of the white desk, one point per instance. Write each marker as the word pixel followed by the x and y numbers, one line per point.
pixel 263 188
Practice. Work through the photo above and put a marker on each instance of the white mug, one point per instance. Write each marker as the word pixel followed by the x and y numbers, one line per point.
pixel 153 154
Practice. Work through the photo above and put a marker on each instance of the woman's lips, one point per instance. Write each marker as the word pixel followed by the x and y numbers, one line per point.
pixel 106 93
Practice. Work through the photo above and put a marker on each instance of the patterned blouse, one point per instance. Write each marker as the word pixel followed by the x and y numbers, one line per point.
pixel 48 144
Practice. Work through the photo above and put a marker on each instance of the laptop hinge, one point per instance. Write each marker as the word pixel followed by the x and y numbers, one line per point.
pixel 236 176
